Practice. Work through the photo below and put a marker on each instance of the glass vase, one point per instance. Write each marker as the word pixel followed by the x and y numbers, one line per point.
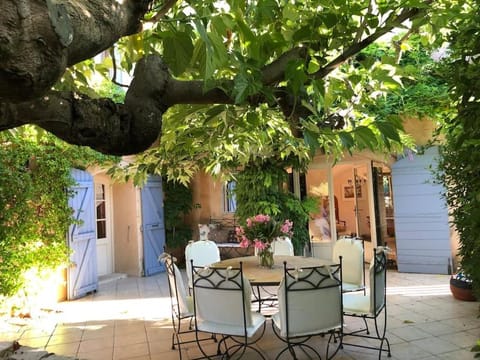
pixel 265 258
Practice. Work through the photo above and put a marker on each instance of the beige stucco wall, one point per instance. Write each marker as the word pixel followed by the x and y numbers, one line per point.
pixel 200 185
pixel 126 230
pixel 420 129
pixel 208 204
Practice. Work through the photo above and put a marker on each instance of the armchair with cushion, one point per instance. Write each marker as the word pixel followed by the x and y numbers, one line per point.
pixel 203 253
pixel 372 307
pixel 221 298
pixel 282 246
pixel 352 251
pixel 182 304
pixel 300 317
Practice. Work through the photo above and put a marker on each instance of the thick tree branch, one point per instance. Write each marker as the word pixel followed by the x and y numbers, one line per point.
pixel 106 23
pixel 40 38
pixel 275 71
pixel 108 127
pixel 98 123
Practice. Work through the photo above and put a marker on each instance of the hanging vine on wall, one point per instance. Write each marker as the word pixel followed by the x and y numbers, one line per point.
pixel 35 172
pixel 260 190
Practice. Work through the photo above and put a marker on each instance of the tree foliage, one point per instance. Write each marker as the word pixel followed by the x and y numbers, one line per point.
pixel 459 167
pixel 424 93
pixel 297 78
pixel 294 61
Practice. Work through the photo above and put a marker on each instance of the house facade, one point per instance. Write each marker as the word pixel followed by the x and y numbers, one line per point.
pixel 385 200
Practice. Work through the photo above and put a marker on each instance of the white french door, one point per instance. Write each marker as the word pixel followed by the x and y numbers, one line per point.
pixel 104 240
pixel 362 208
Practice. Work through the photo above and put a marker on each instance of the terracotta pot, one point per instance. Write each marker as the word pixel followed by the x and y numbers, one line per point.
pixel 461 290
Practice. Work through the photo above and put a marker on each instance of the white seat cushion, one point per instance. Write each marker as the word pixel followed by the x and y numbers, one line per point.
pixel 203 253
pixel 282 246
pixel 214 327
pixel 356 303
pixel 351 251
pixel 185 302
pixel 351 287
pixel 305 318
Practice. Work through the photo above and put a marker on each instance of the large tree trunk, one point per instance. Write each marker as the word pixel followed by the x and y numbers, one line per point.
pixel 104 125
pixel 40 38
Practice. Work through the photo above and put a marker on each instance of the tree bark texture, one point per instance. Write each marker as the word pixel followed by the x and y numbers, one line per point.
pixel 39 39
pixel 117 129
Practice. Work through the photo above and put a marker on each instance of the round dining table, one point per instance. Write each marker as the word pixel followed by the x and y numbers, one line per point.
pixel 263 276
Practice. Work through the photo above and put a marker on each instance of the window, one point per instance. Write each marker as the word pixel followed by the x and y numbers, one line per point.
pixel 101 211
pixel 229 198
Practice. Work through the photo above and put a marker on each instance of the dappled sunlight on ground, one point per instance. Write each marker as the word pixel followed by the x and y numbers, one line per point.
pixel 116 309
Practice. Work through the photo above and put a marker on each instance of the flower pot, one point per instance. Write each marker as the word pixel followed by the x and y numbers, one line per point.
pixel 461 290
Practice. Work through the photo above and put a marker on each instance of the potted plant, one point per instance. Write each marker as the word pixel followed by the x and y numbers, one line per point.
pixel 461 286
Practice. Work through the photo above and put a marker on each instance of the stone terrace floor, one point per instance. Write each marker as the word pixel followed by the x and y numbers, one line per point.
pixel 129 318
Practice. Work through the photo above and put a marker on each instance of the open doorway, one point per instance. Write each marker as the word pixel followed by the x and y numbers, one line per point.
pixel 104 246
pixel 364 204
pixel 351 194
pixel 384 211
pixel 355 199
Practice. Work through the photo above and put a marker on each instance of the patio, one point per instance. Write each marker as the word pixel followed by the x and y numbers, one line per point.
pixel 129 318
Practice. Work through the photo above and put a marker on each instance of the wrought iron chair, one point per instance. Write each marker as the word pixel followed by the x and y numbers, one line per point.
pixel 300 317
pixel 352 251
pixel 203 253
pixel 371 306
pixel 182 304
pixel 221 298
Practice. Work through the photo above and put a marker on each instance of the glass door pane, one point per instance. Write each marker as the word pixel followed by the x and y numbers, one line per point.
pixel 361 209
pixel 317 186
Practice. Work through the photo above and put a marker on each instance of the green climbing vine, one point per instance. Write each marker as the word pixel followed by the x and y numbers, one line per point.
pixel 261 189
pixel 35 216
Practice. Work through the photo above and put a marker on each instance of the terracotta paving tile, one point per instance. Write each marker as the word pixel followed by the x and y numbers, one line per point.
pixel 129 319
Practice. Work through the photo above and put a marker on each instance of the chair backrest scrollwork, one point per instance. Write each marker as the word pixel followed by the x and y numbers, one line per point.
pixel 299 294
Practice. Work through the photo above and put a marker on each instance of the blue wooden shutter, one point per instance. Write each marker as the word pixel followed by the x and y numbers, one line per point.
pixel 422 227
pixel 153 225
pixel 82 275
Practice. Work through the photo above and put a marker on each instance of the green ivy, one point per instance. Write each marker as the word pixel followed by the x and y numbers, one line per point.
pixel 177 204
pixel 424 92
pixel 459 165
pixel 35 172
pixel 260 190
